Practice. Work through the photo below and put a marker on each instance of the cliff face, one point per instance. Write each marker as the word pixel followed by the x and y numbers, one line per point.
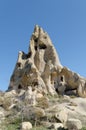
pixel 41 69
pixel 34 69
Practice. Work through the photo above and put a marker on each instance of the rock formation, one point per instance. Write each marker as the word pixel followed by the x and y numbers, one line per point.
pixel 72 82
pixel 41 69
pixel 35 68
pixel 42 92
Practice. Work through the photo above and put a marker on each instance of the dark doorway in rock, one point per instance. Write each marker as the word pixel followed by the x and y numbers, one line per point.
pixel 62 78
pixel 19 64
pixel 36 40
pixel 19 86
pixel 29 55
pixel 35 48
pixel 35 83
pixel 42 46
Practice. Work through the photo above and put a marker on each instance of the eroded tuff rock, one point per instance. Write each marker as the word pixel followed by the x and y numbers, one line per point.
pixel 68 82
pixel 35 90
pixel 34 69
pixel 41 69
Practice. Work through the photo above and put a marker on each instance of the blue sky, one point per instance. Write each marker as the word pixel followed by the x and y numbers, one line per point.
pixel 64 20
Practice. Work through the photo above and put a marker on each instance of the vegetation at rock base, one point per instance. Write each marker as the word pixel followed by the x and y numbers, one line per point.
pixel 84 128
pixel 17 127
pixel 13 127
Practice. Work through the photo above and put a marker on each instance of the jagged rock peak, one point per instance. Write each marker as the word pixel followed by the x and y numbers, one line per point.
pixel 36 67
pixel 42 71
pixel 41 43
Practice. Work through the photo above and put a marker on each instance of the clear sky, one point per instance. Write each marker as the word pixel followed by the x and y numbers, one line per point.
pixel 64 20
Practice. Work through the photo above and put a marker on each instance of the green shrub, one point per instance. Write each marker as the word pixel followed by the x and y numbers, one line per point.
pixel 12 127
pixel 84 128
pixel 39 128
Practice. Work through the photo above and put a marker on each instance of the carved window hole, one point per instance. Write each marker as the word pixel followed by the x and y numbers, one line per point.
pixel 19 86
pixel 36 48
pixel 19 64
pixel 62 78
pixel 36 40
pixel 54 82
pixel 29 55
pixel 42 46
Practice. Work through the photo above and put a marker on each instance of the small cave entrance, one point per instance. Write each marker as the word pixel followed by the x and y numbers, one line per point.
pixel 36 40
pixel 19 86
pixel 35 48
pixel 42 46
pixel 62 78
pixel 18 64
pixel 55 86
pixel 28 55
pixel 35 83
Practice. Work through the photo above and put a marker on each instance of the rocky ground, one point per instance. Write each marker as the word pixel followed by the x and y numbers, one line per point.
pixel 50 112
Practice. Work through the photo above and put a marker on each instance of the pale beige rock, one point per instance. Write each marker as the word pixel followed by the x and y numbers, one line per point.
pixel 36 77
pixel 39 95
pixel 12 106
pixel 62 116
pixel 57 126
pixel 30 96
pixel 47 78
pixel 11 93
pixel 46 124
pixel 2 116
pixel 21 93
pixel 71 81
pixel 41 69
pixel 42 42
pixel 26 126
pixel 34 69
pixel 75 108
pixel 74 124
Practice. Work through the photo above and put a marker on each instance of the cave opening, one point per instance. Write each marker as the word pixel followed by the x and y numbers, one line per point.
pixel 62 78
pixel 42 46
pixel 36 40
pixel 19 64
pixel 19 86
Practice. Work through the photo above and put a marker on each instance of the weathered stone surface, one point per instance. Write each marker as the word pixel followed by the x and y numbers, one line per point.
pixel 10 94
pixel 26 126
pixel 42 91
pixel 74 124
pixel 41 69
pixel 2 115
pixel 30 96
pixel 57 126
pixel 62 116
pixel 34 69
pixel 74 108
pixel 71 81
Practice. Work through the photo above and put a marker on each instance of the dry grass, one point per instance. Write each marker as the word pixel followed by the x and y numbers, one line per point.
pixel 43 102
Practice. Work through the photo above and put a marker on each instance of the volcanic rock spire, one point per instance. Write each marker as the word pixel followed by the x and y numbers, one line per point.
pixel 35 68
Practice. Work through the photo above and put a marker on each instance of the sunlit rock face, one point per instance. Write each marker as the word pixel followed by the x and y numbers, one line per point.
pixel 41 69
pixel 71 83
pixel 35 68
pixel 43 91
